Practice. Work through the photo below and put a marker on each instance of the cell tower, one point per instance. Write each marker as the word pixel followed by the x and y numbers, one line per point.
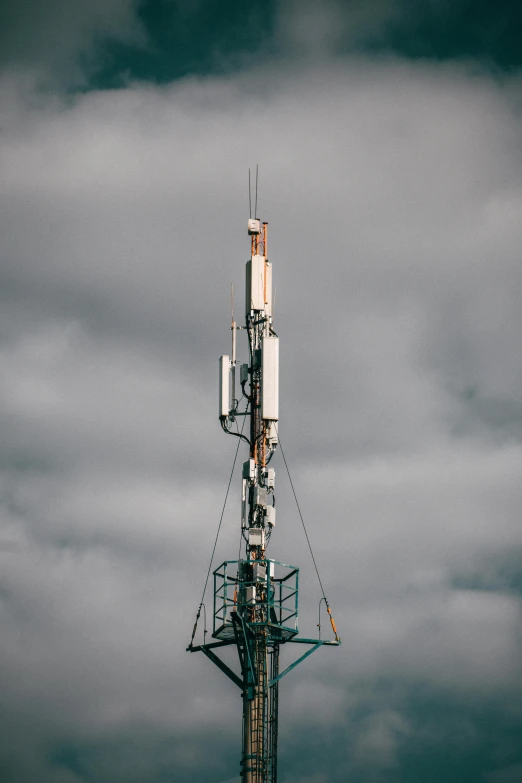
pixel 255 603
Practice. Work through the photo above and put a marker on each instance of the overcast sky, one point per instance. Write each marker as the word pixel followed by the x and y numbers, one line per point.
pixel 389 140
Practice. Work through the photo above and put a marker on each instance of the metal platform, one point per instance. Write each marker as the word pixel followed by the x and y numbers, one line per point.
pixel 266 592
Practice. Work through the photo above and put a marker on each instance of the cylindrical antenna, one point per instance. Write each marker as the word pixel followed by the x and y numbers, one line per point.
pixel 233 355
pixel 249 196
pixel 257 177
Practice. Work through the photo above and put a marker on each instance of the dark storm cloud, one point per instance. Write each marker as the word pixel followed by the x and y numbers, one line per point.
pixel 393 193
pixel 59 36
pixel 108 44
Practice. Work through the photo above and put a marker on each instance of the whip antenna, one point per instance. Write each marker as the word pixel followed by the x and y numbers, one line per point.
pixel 257 177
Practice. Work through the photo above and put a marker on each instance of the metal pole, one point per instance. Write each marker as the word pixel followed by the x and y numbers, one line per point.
pixel 257 713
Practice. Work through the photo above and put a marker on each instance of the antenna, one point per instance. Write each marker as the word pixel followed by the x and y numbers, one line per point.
pixel 233 355
pixel 257 177
pixel 249 196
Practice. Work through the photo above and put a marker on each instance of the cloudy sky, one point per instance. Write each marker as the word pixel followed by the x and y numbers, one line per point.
pixel 389 140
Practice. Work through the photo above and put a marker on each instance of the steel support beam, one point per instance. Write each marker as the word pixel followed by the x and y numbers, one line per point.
pixel 224 668
pixel 295 663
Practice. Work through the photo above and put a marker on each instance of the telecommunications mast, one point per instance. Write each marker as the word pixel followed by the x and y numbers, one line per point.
pixel 255 603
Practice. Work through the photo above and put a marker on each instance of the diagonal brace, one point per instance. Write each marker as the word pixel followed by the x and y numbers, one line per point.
pixel 239 645
pixel 245 629
pixel 221 665
pixel 190 648
pixel 295 663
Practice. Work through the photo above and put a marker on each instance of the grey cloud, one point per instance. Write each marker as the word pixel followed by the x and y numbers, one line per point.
pixel 392 194
pixel 378 739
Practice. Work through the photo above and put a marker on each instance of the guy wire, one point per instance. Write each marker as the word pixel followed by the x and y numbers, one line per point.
pixel 301 515
pixel 217 534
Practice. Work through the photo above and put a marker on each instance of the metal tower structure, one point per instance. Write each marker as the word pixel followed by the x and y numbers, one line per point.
pixel 255 601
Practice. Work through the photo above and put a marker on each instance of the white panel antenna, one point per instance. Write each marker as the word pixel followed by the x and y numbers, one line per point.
pixel 224 386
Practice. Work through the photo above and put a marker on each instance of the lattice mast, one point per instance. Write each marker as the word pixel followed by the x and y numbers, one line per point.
pixel 256 598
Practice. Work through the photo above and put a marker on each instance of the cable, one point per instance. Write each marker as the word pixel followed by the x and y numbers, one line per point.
pixel 300 513
pixel 306 534
pixel 270 456
pixel 216 539
pixel 240 542
pixel 236 434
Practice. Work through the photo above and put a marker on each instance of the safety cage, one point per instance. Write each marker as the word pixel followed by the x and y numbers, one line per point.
pixel 263 592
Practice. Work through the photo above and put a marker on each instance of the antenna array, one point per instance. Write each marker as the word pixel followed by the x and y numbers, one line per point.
pixel 255 602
